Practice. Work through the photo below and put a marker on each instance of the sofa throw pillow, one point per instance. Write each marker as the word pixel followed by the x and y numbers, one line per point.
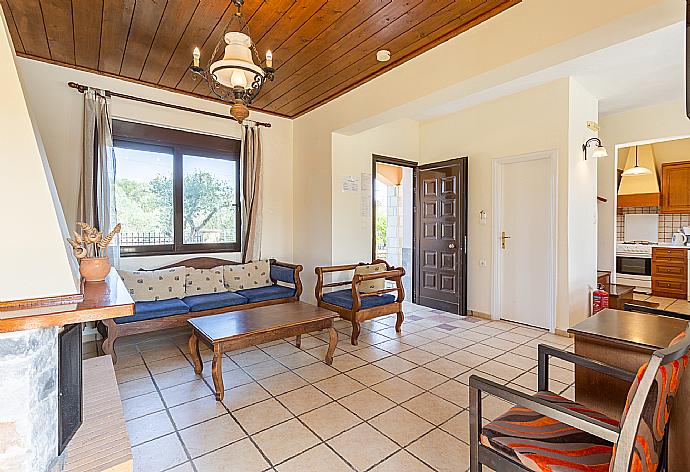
pixel 202 281
pixel 369 286
pixel 250 275
pixel 153 285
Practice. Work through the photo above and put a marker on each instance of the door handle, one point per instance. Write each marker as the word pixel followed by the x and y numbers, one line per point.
pixel 503 239
pixel 451 246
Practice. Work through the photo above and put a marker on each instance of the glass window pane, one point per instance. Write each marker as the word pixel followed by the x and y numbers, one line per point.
pixel 144 195
pixel 209 200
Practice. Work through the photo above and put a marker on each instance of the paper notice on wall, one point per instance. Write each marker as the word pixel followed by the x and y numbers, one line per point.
pixel 350 183
pixel 365 196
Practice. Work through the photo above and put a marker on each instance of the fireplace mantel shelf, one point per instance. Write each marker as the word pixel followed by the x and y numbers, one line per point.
pixel 100 300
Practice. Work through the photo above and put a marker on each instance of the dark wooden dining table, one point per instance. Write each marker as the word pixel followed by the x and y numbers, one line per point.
pixel 627 339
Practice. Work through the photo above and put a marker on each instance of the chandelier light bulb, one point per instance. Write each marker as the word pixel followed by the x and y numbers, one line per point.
pixel 269 58
pixel 197 56
pixel 238 79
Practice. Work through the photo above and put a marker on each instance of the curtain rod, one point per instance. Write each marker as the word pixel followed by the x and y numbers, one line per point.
pixel 83 88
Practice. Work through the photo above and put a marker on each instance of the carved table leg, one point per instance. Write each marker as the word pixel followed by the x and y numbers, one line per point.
pixel 355 333
pixel 217 369
pixel 332 343
pixel 194 352
pixel 298 341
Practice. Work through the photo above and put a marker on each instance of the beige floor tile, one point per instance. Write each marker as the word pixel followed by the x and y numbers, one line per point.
pixel 147 457
pixel 438 348
pixel 395 364
pixel 401 426
pixel 459 426
pixel 454 392
pixel 282 383
pixel 447 367
pixel 366 403
pixel 315 372
pixel 371 353
pixel 170 363
pixel 662 301
pixel 263 370
pixel 339 386
pixel 210 435
pixel 498 369
pixel 484 350
pixel 142 405
pixel 231 378
pixel 319 458
pixel 369 374
pixel 565 376
pixel 285 440
pixel 243 456
pixel 441 451
pixel 456 342
pixel 303 399
pixel 329 420
pixel 185 392
pixel 402 461
pixel 298 359
pixel 161 353
pixel 310 342
pixel 464 378
pixel 129 360
pixel 134 388
pixel 280 350
pixel 175 377
pixel 494 406
pixel 529 332
pixel 526 351
pixel 149 427
pixel 196 411
pixel 244 395
pixel 434 409
pixel 515 360
pixel 418 356
pixel 423 378
pixel 262 415
pixel 131 373
pixel 394 346
pixel 414 339
pixel 514 337
pixel 347 362
pixel 186 467
pixel 363 446
pixel 467 358
pixel 397 389
pixel 529 380
pixel 247 358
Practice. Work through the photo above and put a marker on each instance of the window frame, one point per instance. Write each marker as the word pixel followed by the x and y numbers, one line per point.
pixel 137 136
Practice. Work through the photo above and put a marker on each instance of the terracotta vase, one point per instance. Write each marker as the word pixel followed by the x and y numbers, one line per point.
pixel 94 269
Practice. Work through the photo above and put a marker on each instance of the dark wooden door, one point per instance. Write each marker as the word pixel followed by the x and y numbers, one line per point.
pixel 441 236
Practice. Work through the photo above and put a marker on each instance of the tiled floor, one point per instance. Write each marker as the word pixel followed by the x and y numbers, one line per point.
pixel 672 304
pixel 393 403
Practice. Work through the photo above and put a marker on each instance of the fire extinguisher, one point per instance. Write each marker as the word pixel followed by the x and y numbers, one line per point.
pixel 600 299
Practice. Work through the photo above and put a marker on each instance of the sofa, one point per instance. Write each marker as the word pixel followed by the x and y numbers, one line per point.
pixel 285 287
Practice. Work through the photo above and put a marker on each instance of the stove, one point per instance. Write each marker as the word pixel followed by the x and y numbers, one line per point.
pixel 641 249
pixel 634 265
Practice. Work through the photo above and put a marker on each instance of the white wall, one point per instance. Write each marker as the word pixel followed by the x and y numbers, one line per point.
pixel 35 259
pixel 352 156
pixel 58 110
pixel 531 121
pixel 662 121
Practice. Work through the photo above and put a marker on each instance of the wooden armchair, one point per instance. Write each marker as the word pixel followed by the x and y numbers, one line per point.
pixel 355 306
pixel 545 431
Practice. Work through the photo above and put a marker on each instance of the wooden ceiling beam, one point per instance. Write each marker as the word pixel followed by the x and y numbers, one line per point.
pixel 14 33
pixel 57 17
pixel 145 21
pixel 29 22
pixel 87 16
pixel 117 17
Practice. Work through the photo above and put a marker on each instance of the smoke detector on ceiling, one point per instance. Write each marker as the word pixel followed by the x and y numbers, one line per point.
pixel 383 55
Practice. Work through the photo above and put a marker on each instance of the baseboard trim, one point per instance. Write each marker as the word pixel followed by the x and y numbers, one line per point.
pixel 479 314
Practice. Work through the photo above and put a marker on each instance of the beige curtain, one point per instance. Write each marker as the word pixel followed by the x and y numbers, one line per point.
pixel 97 185
pixel 251 193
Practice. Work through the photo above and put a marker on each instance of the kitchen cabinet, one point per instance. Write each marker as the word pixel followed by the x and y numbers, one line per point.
pixel 670 272
pixel 675 187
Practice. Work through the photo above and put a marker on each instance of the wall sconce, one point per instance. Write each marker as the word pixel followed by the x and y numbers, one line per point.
pixel 599 149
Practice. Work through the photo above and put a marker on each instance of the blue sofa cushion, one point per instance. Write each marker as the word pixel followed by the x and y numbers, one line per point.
pixel 343 298
pixel 210 301
pixel 152 310
pixel 271 292
pixel 282 274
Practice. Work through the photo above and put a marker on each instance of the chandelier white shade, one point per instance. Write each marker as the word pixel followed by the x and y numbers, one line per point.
pixel 636 169
pixel 237 68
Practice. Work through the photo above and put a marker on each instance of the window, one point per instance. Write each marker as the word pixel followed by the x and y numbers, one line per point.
pixel 176 192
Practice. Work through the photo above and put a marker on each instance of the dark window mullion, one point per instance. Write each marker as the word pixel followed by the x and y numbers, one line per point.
pixel 178 182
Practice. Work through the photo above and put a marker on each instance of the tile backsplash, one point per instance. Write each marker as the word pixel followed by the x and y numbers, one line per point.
pixel 669 223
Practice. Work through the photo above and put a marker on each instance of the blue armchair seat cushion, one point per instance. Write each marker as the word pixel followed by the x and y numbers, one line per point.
pixel 343 299
pixel 262 294
pixel 152 310
pixel 210 301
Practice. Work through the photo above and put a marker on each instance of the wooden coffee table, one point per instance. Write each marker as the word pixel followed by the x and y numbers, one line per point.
pixel 240 329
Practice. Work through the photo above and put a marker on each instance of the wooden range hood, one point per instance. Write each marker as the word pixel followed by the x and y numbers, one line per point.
pixel 640 190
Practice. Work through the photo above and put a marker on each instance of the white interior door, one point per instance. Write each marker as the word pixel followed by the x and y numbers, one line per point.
pixel 525 219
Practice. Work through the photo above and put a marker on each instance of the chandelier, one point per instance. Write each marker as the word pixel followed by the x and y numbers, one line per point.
pixel 234 77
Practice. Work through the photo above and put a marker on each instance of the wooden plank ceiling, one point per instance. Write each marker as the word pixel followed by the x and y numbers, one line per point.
pixel 321 48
